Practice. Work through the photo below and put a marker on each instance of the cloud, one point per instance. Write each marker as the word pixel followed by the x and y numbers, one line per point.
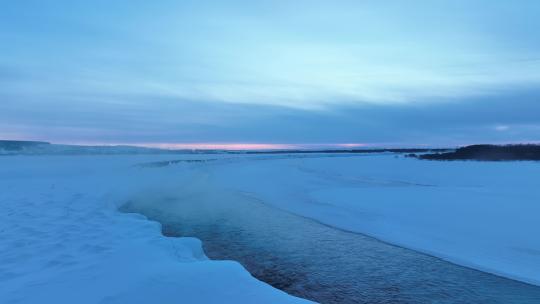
pixel 276 71
pixel 158 119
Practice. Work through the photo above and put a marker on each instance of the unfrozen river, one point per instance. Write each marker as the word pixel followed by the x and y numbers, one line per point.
pixel 314 261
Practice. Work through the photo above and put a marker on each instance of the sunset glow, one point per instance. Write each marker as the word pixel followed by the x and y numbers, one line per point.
pixel 251 146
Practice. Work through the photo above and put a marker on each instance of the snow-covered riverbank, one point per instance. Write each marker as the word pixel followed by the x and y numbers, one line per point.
pixel 63 240
pixel 479 214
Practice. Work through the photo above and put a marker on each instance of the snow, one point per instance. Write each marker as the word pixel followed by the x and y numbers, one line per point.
pixel 478 214
pixel 63 240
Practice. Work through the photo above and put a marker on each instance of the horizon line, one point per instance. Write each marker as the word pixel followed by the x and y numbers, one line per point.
pixel 246 146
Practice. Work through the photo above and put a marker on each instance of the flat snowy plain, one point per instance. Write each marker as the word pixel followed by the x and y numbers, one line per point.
pixel 63 239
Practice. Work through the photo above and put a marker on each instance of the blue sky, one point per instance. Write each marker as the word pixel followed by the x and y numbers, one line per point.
pixel 378 72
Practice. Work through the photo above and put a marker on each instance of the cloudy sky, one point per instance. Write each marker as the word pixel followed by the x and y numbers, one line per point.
pixel 270 72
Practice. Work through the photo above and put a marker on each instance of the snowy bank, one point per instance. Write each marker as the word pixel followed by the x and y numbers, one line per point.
pixel 478 214
pixel 63 240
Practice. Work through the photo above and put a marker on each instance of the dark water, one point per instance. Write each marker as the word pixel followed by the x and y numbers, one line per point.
pixel 321 263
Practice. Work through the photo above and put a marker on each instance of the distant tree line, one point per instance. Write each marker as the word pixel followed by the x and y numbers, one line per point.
pixel 487 153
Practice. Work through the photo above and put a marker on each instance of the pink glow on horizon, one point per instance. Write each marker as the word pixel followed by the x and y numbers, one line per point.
pixel 351 145
pixel 219 146
pixel 238 146
pixel 248 146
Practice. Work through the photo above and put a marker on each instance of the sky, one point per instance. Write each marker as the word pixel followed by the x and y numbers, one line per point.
pixel 349 73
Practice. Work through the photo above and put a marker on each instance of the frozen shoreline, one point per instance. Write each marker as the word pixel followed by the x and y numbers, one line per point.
pixel 62 232
pixel 63 240
pixel 479 215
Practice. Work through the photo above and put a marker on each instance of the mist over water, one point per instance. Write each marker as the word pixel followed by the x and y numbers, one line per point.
pixel 314 261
